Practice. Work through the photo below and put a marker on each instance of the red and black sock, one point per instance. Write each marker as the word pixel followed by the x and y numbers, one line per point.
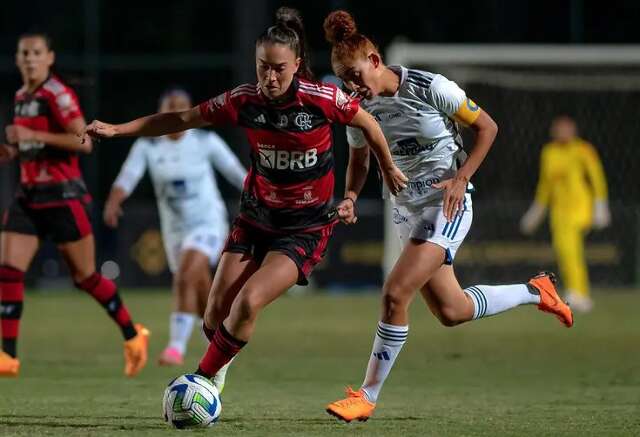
pixel 11 298
pixel 221 350
pixel 106 293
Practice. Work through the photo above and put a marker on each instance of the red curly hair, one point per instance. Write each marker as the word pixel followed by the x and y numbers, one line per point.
pixel 340 30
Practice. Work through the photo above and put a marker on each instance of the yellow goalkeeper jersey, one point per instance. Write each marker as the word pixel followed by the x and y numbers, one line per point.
pixel 571 178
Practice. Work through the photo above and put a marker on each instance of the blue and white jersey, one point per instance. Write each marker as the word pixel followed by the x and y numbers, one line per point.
pixel 183 180
pixel 423 136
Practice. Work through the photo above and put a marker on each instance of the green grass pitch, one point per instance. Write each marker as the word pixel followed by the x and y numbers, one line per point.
pixel 518 374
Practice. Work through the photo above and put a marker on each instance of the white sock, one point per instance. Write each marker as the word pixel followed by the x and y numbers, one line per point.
pixel 494 299
pixel 180 327
pixel 220 377
pixel 387 344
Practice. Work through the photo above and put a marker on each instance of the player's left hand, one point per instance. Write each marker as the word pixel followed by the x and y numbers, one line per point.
pixel 601 215
pixel 17 134
pixel 347 211
pixel 454 191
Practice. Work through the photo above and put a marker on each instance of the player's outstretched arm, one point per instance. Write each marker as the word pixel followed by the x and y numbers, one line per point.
pixel 393 177
pixel 150 126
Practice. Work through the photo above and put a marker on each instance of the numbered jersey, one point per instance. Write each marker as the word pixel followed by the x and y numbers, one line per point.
pixel 290 183
pixel 185 187
pixel 422 134
pixel 48 174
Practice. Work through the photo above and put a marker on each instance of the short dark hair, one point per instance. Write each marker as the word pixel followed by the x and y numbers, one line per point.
pixel 38 34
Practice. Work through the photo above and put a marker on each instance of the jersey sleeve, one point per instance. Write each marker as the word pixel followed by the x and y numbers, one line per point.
pixel 356 138
pixel 220 110
pixel 444 95
pixel 65 106
pixel 133 168
pixel 595 172
pixel 341 108
pixel 224 160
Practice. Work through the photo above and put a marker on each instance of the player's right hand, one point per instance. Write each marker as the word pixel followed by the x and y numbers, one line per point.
pixel 394 178
pixel 347 211
pixel 7 153
pixel 99 129
pixel 112 214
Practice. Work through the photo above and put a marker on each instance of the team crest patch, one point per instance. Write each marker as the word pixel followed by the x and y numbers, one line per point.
pixel 341 99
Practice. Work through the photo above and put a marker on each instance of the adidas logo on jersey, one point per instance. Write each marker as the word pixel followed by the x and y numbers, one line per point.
pixel 261 119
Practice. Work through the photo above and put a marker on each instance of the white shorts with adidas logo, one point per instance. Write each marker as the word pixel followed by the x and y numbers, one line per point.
pixel 431 225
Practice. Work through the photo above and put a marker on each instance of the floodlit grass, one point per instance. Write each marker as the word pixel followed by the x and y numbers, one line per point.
pixel 516 374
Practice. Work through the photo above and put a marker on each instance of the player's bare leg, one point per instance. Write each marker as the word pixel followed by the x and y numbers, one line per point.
pixel 80 257
pixel 276 275
pixel 398 292
pixel 16 253
pixel 192 277
pixel 232 273
pixel 452 305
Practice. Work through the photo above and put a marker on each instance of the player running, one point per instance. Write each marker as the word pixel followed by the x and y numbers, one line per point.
pixel 419 114
pixel 573 186
pixel 52 202
pixel 193 216
pixel 286 214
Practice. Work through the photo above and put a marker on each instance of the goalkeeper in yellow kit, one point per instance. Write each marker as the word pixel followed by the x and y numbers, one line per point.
pixel 572 186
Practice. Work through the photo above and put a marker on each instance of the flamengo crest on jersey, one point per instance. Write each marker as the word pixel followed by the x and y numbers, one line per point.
pixel 48 174
pixel 291 180
pixel 422 135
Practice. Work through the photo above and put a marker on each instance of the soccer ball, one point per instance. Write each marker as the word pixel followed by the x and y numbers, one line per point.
pixel 191 401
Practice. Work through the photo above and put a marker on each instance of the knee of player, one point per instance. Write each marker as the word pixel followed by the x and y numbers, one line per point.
pixel 248 303
pixel 395 297
pixel 450 316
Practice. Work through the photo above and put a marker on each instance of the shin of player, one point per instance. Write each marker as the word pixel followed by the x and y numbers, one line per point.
pixel 434 214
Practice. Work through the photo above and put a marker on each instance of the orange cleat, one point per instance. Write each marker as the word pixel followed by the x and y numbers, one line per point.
pixel 171 357
pixel 135 351
pixel 354 407
pixel 9 366
pixel 550 302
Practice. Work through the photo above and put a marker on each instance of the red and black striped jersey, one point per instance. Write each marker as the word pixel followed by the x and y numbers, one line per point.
pixel 48 174
pixel 290 183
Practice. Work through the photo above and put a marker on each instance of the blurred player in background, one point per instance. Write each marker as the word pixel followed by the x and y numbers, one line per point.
pixel 287 213
pixel 419 114
pixel 193 216
pixel 573 187
pixel 52 202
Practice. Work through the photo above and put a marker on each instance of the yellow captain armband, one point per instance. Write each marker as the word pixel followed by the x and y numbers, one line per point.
pixel 468 112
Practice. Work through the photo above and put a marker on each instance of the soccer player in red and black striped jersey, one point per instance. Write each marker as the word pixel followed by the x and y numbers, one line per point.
pixel 52 201
pixel 286 214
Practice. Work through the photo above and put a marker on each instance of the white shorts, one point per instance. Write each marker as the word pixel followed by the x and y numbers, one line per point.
pixel 431 225
pixel 200 239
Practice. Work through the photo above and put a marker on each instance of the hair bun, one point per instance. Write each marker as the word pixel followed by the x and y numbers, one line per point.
pixel 289 17
pixel 338 26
